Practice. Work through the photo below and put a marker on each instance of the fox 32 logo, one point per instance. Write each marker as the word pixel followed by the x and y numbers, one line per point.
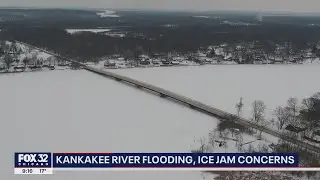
pixel 32 159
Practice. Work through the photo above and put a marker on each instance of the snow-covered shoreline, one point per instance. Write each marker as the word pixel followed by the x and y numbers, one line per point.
pixel 108 13
pixel 73 31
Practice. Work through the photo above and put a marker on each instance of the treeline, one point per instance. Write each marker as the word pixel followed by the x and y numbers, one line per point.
pixel 156 39
pixel 299 120
pixel 305 116
pixel 8 54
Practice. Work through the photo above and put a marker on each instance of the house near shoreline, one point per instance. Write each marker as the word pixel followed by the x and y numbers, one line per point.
pixel 297 131
pixel 309 129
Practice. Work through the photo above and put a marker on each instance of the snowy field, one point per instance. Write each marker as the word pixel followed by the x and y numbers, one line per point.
pixel 206 17
pixel 74 31
pixel 96 31
pixel 222 85
pixel 108 13
pixel 78 111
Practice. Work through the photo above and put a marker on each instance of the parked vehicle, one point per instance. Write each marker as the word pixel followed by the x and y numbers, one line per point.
pixel 19 67
pixel 121 65
pixel 145 63
pixel 110 64
pixel 34 67
pixel 166 63
pixel 156 63
pixel 184 63
pixel 51 67
pixel 175 63
pixel 62 64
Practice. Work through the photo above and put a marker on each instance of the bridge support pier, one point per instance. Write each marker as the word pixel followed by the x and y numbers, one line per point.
pixel 137 86
pixel 163 95
pixel 117 79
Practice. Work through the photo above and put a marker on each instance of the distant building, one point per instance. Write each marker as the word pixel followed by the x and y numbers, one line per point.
pixel 277 60
pixel 144 62
pixel 257 61
pixel 297 59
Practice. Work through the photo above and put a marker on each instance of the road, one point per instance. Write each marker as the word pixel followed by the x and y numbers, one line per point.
pixel 196 105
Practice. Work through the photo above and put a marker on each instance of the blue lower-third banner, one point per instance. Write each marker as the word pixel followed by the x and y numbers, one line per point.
pixel 154 160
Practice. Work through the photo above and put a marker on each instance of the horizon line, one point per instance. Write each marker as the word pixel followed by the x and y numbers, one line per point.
pixel 164 10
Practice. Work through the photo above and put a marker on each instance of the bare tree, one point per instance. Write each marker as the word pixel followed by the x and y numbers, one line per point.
pixel 8 60
pixel 250 149
pixel 25 61
pixel 96 60
pixel 51 60
pixel 137 53
pixel 283 116
pixel 34 58
pixel 307 108
pixel 6 48
pixel 16 58
pixel 128 55
pixel 310 113
pixel 211 53
pixel 239 107
pixel 203 146
pixel 239 142
pixel 258 110
pixel 293 106
pixel 233 131
pixel 212 139
pixel 19 51
pixel 263 148
pixel 262 123
pixel 13 47
pixel 225 134
pixel 273 122
pixel 316 95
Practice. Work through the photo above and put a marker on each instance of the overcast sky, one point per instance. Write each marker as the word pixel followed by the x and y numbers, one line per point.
pixel 261 5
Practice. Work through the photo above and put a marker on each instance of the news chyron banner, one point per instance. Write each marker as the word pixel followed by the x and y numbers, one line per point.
pixel 47 162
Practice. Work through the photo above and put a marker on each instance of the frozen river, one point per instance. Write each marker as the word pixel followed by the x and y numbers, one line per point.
pixel 78 111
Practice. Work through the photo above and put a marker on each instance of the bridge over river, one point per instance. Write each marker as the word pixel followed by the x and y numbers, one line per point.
pixel 194 104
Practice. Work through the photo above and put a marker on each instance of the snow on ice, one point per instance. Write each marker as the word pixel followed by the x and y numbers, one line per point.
pixel 222 85
pixel 78 111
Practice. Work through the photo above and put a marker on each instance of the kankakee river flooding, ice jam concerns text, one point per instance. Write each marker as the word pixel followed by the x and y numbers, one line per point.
pixel 188 160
